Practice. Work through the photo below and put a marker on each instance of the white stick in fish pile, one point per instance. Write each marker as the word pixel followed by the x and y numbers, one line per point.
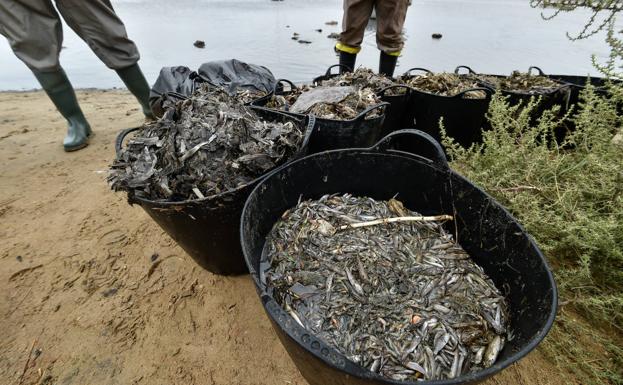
pixel 394 294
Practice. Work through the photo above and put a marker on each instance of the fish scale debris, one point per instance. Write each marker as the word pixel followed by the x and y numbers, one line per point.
pixel 403 299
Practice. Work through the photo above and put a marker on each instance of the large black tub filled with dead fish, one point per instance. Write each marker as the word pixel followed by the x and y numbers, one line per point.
pixel 388 90
pixel 457 99
pixel 351 109
pixel 384 266
pixel 192 170
pixel 520 87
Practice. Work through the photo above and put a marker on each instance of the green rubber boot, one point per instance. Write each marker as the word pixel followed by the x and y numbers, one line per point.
pixel 59 89
pixel 134 79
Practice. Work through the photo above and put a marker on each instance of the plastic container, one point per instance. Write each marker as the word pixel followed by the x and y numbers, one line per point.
pixel 493 238
pixel 208 229
pixel 463 119
pixel 557 96
pixel 330 133
pixel 361 131
pixel 396 109
pixel 577 84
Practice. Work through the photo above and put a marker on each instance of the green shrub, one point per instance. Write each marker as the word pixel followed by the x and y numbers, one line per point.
pixel 569 196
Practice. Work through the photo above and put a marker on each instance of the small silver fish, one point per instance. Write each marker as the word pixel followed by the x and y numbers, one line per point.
pixel 493 349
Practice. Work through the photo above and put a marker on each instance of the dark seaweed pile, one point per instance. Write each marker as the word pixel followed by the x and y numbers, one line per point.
pixel 210 144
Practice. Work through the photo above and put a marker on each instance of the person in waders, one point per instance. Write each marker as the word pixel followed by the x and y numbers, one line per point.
pixel 390 18
pixel 34 31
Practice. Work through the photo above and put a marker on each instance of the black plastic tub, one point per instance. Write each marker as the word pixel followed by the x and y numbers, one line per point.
pixel 208 229
pixel 396 109
pixel 330 134
pixel 556 97
pixel 494 239
pixel 463 119
pixel 577 84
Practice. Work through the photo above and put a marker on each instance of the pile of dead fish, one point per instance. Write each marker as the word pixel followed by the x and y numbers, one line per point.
pixel 342 97
pixel 397 296
pixel 444 84
pixel 521 82
pixel 209 144
pixel 362 78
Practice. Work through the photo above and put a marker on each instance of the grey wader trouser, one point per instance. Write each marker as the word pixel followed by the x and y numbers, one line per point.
pixel 34 31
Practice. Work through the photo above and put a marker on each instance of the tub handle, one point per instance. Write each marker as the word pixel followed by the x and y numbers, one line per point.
pixel 413 142
pixel 469 70
pixel 121 136
pixel 382 92
pixel 408 72
pixel 347 68
pixel 486 90
pixel 539 71
pixel 286 81
pixel 362 115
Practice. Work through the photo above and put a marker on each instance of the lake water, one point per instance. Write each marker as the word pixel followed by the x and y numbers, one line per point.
pixel 491 36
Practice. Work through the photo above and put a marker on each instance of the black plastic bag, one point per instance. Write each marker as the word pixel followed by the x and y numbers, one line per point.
pixel 177 83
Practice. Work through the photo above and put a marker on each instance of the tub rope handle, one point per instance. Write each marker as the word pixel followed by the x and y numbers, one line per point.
pixel 413 142
pixel 486 90
pixel 121 136
pixel 539 71
pixel 362 115
pixel 279 81
pixel 328 73
pixel 408 72
pixel 468 68
pixel 382 92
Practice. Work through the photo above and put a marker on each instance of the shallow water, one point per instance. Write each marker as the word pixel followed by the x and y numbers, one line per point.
pixel 491 36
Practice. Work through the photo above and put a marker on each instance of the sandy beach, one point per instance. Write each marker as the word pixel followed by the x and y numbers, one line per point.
pixel 100 293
